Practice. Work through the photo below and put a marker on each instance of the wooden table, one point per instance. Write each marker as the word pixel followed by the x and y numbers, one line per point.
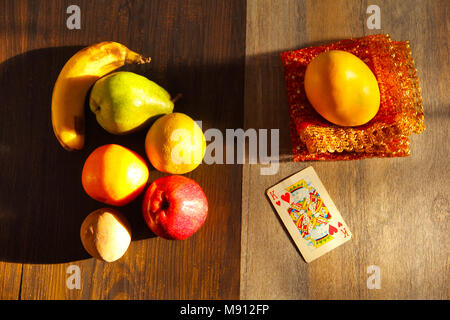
pixel 223 56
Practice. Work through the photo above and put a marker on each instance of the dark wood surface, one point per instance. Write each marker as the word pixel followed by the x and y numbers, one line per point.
pixel 223 56
pixel 197 49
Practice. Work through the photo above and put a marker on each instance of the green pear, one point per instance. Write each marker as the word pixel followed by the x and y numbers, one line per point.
pixel 124 102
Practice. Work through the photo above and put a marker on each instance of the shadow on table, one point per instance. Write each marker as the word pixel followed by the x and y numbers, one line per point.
pixel 42 202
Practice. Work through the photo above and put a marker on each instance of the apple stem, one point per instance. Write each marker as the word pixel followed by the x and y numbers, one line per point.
pixel 177 97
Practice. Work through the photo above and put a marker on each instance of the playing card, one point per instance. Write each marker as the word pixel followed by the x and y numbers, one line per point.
pixel 309 214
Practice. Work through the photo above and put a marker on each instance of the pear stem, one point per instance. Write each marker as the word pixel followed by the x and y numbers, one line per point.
pixel 177 97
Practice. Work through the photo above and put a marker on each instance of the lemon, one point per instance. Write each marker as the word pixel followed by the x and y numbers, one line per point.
pixel 342 88
pixel 175 144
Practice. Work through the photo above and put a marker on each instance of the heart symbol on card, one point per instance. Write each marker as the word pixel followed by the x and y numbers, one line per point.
pixel 286 197
pixel 339 224
pixel 332 230
pixel 278 203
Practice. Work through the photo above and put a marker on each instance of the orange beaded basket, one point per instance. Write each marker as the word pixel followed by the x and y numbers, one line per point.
pixel 386 135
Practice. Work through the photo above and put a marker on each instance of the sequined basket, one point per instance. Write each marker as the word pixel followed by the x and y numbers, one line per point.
pixel 386 135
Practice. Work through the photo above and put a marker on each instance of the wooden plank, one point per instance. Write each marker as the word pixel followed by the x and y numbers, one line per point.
pixel 267 254
pixel 10 271
pixel 197 49
pixel 396 208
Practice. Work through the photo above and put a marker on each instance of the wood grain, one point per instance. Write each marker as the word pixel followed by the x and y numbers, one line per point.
pixel 197 49
pixel 397 209
pixel 10 280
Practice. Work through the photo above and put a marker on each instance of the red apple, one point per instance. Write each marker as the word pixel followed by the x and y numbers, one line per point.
pixel 174 207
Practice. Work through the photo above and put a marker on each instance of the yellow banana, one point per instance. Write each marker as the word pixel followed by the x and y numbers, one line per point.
pixel 74 81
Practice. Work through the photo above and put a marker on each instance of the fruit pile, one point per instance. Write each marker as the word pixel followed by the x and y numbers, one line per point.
pixel 174 206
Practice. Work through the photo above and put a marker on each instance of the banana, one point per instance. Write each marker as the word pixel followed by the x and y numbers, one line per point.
pixel 73 83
